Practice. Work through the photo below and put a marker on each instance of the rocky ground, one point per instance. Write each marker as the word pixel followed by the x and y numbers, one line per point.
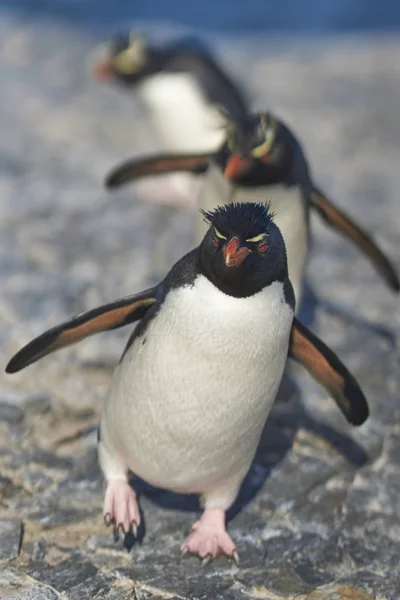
pixel 319 516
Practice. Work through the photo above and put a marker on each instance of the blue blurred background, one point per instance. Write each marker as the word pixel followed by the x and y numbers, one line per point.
pixel 229 16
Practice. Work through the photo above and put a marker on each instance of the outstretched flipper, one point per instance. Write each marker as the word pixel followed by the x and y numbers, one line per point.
pixel 324 366
pixel 157 165
pixel 109 316
pixel 336 218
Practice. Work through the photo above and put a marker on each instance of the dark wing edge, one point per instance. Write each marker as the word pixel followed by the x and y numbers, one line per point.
pixel 336 218
pixel 324 366
pixel 109 316
pixel 134 169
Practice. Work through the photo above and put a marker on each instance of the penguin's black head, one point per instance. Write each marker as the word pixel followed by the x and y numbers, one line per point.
pixel 258 150
pixel 127 58
pixel 243 251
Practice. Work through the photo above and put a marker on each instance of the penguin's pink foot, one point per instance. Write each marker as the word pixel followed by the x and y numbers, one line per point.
pixel 121 507
pixel 209 538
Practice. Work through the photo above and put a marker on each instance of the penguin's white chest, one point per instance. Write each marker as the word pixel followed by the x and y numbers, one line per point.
pixel 183 121
pixel 183 117
pixel 189 400
pixel 290 211
pixel 288 205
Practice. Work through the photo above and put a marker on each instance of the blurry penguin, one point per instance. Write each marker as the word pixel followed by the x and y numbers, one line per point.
pixel 261 159
pixel 180 85
pixel 190 396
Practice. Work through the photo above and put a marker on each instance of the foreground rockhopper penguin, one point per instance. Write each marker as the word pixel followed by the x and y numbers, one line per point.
pixel 190 396
pixel 261 160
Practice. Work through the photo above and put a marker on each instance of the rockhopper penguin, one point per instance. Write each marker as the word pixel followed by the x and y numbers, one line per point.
pixel 261 160
pixel 191 394
pixel 179 83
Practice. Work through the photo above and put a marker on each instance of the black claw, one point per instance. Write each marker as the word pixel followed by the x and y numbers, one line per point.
pixel 206 560
pixel 121 528
pixel 134 528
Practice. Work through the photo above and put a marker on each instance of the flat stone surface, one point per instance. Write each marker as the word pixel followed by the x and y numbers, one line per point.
pixel 319 515
pixel 18 586
pixel 11 538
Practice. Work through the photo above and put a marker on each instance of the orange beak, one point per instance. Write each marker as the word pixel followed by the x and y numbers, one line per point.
pixel 103 70
pixel 236 166
pixel 234 255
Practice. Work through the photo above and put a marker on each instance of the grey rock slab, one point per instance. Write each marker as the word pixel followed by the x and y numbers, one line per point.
pixel 9 413
pixel 98 586
pixel 279 577
pixel 36 481
pixel 18 586
pixel 55 516
pixel 291 481
pixel 371 584
pixel 39 550
pixel 340 591
pixel 15 398
pixel 186 578
pixel 11 532
pixel 6 487
pixel 36 405
pixel 323 506
pixel 64 576
pixel 50 459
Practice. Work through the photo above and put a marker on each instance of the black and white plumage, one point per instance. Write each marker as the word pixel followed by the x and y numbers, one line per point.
pixel 189 398
pixel 179 84
pixel 134 62
pixel 261 160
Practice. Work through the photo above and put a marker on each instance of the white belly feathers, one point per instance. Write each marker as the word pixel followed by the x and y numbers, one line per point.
pixel 189 400
pixel 183 120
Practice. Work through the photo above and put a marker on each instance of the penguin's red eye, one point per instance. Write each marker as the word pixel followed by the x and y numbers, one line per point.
pixel 215 243
pixel 262 247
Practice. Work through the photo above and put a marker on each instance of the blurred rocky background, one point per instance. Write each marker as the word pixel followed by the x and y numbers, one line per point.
pixel 320 516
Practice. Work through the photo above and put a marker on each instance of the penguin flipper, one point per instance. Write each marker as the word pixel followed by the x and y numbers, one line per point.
pixel 336 218
pixel 109 316
pixel 324 366
pixel 157 165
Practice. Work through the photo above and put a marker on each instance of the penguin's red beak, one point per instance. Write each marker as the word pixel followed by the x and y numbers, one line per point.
pixel 233 254
pixel 103 70
pixel 236 166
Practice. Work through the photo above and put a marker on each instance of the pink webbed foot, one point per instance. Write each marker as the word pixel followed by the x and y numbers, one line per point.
pixel 209 538
pixel 121 507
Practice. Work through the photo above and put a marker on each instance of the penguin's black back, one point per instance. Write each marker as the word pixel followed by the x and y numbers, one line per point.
pixel 216 85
